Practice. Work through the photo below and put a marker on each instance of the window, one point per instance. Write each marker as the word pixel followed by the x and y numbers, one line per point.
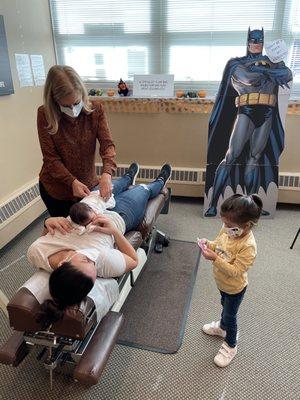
pixel 193 39
pixel 294 28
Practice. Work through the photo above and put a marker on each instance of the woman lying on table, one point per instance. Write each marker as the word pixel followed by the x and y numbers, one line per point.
pixel 76 258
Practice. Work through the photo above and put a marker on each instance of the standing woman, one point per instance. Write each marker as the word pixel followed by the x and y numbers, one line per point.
pixel 69 126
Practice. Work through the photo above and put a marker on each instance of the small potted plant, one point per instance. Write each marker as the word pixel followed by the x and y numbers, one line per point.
pixel 180 93
pixel 202 93
pixel 110 92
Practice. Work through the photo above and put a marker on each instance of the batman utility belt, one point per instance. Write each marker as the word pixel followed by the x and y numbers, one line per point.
pixel 256 98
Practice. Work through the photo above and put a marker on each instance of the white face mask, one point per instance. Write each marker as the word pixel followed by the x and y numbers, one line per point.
pixel 234 232
pixel 92 254
pixel 72 111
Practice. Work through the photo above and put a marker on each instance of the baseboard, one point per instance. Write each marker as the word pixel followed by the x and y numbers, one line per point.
pixel 288 196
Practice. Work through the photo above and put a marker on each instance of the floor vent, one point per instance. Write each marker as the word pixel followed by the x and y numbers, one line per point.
pixel 13 206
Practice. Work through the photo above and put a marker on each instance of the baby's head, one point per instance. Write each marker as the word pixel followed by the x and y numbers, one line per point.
pixel 82 214
pixel 240 212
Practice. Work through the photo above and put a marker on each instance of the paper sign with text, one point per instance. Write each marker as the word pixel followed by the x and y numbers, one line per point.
pixel 276 50
pixel 157 85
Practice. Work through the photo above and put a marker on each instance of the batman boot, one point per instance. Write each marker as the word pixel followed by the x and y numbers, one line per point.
pixel 211 211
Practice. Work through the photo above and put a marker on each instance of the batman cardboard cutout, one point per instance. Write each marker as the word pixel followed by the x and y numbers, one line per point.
pixel 246 134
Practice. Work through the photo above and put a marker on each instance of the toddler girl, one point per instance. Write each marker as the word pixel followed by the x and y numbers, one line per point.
pixel 232 254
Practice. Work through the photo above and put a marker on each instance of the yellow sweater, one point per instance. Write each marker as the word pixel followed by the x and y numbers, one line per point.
pixel 235 257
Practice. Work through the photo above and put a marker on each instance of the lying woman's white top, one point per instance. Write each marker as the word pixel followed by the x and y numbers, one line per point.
pixel 97 246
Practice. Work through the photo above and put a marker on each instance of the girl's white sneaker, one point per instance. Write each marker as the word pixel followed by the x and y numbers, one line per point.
pixel 225 355
pixel 214 329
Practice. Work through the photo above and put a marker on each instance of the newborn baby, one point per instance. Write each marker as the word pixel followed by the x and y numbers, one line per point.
pixel 83 213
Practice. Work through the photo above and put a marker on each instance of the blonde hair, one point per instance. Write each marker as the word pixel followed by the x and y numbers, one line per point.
pixel 62 81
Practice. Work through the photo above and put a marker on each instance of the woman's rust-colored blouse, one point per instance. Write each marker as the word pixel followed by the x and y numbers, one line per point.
pixel 69 154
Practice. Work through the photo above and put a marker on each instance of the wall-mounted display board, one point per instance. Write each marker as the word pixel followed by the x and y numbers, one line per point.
pixel 6 83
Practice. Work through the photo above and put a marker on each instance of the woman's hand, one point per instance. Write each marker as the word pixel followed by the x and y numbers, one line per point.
pixel 105 186
pixel 209 254
pixel 103 224
pixel 79 189
pixel 59 223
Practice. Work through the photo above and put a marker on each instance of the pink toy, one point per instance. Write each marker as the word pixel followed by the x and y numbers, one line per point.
pixel 201 244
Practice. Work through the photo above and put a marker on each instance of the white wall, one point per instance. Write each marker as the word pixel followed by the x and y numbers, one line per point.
pixel 28 30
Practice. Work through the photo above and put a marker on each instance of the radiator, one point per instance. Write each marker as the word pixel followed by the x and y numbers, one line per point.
pixel 196 176
pixel 29 196
pixel 180 175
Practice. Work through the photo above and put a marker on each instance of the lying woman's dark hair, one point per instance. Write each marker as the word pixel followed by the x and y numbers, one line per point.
pixel 242 208
pixel 68 286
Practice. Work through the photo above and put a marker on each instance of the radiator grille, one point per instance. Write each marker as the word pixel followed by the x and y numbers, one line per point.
pixel 179 175
pixel 12 207
pixel 289 181
pixel 187 176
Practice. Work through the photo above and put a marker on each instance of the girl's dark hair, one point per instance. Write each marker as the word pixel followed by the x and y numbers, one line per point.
pixel 68 286
pixel 79 213
pixel 242 208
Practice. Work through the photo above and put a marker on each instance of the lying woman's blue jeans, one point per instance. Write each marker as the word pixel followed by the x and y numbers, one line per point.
pixel 131 203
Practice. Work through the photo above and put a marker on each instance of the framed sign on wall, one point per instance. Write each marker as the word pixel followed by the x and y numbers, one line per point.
pixel 6 83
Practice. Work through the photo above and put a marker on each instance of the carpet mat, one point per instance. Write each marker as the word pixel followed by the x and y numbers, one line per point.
pixel 157 307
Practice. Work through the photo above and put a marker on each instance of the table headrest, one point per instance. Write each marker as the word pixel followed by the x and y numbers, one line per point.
pixel 24 307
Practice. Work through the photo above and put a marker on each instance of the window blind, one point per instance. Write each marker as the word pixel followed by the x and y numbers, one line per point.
pixel 293 36
pixel 111 39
